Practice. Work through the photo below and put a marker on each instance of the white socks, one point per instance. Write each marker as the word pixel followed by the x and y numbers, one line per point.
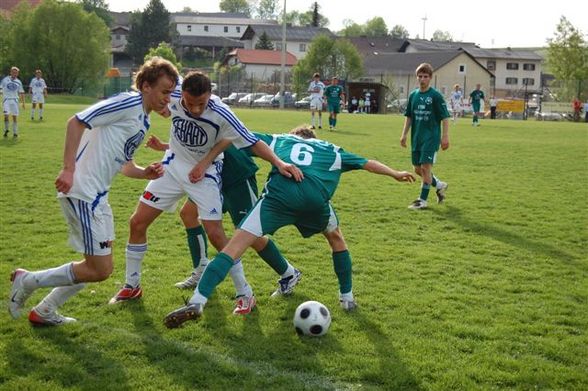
pixel 57 297
pixel 59 276
pixel 238 276
pixel 289 271
pixel 135 254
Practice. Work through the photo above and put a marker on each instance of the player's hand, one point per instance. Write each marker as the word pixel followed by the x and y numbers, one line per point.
pixel 291 171
pixel 64 181
pixel 403 141
pixel 444 143
pixel 165 112
pixel 404 176
pixel 155 143
pixel 154 170
pixel 197 173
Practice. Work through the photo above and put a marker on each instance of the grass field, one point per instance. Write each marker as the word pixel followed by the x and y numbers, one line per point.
pixel 487 291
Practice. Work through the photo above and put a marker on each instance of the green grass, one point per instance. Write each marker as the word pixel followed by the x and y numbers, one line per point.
pixel 488 291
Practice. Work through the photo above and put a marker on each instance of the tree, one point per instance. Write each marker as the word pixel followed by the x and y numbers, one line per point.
pixel 316 17
pixel 307 18
pixel 148 29
pixel 240 6
pixel 442 36
pixel 70 54
pixel 351 29
pixel 376 27
pixel 399 32
pixel 267 9
pixel 166 51
pixel 99 7
pixel 264 42
pixel 567 57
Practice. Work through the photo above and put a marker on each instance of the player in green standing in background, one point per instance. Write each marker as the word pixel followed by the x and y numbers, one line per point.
pixel 425 111
pixel 476 97
pixel 334 93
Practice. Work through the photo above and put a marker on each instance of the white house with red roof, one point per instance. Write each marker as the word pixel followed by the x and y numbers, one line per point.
pixel 259 64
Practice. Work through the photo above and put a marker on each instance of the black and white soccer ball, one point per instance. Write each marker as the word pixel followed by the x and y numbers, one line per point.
pixel 312 318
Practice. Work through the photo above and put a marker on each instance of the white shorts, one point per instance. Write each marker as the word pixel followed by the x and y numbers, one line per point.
pixel 316 103
pixel 38 98
pixel 10 107
pixel 91 232
pixel 165 192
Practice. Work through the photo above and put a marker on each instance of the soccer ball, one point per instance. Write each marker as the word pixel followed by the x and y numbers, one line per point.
pixel 312 318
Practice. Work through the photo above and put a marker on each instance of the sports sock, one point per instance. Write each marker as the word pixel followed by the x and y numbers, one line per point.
pixel 342 266
pixel 6 125
pixel 334 122
pixel 197 244
pixel 40 113
pixel 425 191
pixel 57 297
pixel 312 119
pixel 135 254
pixel 33 114
pixel 15 127
pixel 242 287
pixel 59 276
pixel 320 121
pixel 273 257
pixel 215 273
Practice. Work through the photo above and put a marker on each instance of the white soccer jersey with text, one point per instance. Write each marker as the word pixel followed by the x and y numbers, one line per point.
pixel 115 129
pixel 316 89
pixel 11 88
pixel 38 86
pixel 456 97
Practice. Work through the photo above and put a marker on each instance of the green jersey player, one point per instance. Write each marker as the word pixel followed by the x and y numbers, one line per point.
pixel 334 93
pixel 305 204
pixel 476 98
pixel 425 111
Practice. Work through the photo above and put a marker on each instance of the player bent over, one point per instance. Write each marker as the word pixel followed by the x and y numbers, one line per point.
pixel 100 141
pixel 306 205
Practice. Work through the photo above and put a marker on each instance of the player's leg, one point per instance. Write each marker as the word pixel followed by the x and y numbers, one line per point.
pixel 312 117
pixel 33 107
pixel 342 266
pixel 40 111
pixel 320 116
pixel 417 159
pixel 6 120
pixel 197 243
pixel 15 125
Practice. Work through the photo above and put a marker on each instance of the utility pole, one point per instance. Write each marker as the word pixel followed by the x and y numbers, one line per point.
pixel 424 23
pixel 283 68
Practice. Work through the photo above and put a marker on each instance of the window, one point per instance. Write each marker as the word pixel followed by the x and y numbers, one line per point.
pixel 117 37
pixel 513 66
pixel 529 67
pixel 491 65
pixel 226 29
pixel 189 27
pixel 512 80
pixel 205 28
pixel 302 47
pixel 462 68
pixel 238 29
pixel 528 81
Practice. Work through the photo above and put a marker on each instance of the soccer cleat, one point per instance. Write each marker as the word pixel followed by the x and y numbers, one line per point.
pixel 6 133
pixel 38 318
pixel 441 192
pixel 320 127
pixel 286 285
pixel 18 293
pixel 14 135
pixel 418 204
pixel 126 293
pixel 183 314
pixel 312 127
pixel 192 280
pixel 347 305
pixel 245 304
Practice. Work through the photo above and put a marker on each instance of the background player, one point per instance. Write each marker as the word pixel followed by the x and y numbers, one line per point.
pixel 334 94
pixel 100 141
pixel 38 91
pixel 316 89
pixel 455 100
pixel 476 98
pixel 12 89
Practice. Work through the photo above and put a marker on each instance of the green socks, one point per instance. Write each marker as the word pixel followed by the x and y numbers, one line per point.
pixel 342 265
pixel 197 243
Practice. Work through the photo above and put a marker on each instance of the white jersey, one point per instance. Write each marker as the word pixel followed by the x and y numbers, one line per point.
pixel 316 89
pixel 38 86
pixel 11 88
pixel 456 98
pixel 115 129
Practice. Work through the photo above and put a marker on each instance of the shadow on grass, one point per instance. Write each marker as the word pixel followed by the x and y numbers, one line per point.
pixel 79 364
pixel 510 238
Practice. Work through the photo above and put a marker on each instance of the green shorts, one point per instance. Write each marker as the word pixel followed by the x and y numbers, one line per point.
pixel 476 107
pixel 423 157
pixel 334 107
pixel 238 199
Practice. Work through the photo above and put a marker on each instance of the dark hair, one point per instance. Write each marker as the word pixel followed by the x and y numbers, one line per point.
pixel 153 69
pixel 196 83
pixel 316 75
pixel 303 131
pixel 425 68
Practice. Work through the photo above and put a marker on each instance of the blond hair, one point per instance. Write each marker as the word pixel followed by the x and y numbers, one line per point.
pixel 153 69
pixel 303 131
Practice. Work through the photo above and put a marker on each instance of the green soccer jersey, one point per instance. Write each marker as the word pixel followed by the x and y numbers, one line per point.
pixel 426 111
pixel 321 162
pixel 477 96
pixel 333 93
pixel 237 167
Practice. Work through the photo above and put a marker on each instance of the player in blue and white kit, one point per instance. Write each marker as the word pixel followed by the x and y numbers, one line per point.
pixel 38 91
pixel 455 100
pixel 199 121
pixel 12 89
pixel 100 141
pixel 316 89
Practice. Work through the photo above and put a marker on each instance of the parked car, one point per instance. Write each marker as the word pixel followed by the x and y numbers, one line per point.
pixel 548 116
pixel 233 98
pixel 397 105
pixel 248 99
pixel 289 99
pixel 264 101
pixel 303 103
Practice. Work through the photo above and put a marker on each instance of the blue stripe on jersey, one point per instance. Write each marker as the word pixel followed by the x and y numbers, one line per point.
pixel 114 106
pixel 97 199
pixel 169 159
pixel 230 117
pixel 82 151
pixel 176 94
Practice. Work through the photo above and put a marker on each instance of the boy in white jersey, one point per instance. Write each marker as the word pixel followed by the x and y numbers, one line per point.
pixel 38 91
pixel 456 102
pixel 100 141
pixel 12 89
pixel 199 121
pixel 316 89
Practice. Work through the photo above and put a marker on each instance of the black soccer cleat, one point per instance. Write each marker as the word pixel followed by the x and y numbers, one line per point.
pixel 183 314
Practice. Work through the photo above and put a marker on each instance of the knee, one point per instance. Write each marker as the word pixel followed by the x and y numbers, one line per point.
pixel 137 223
pixel 217 237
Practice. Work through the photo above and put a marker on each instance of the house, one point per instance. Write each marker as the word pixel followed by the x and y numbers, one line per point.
pixel 298 38
pixel 119 33
pixel 7 7
pixel 259 64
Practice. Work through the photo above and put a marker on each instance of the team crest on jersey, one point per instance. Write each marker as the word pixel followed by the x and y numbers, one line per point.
pixel 428 100
pixel 12 86
pixel 189 133
pixel 132 144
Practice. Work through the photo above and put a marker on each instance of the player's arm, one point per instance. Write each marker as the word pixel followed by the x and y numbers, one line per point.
pixel 198 171
pixel 152 171
pixel 407 123
pixel 73 135
pixel 262 150
pixel 379 168
pixel 445 134
pixel 156 144
pixel 22 98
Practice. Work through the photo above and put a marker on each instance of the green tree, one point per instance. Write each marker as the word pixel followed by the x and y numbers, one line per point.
pixel 351 29
pixel 307 18
pixel 316 17
pixel 567 58
pixel 376 27
pixel 164 50
pixel 99 7
pixel 442 36
pixel 5 26
pixel 267 9
pixel 148 29
pixel 240 6
pixel 399 32
pixel 264 42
